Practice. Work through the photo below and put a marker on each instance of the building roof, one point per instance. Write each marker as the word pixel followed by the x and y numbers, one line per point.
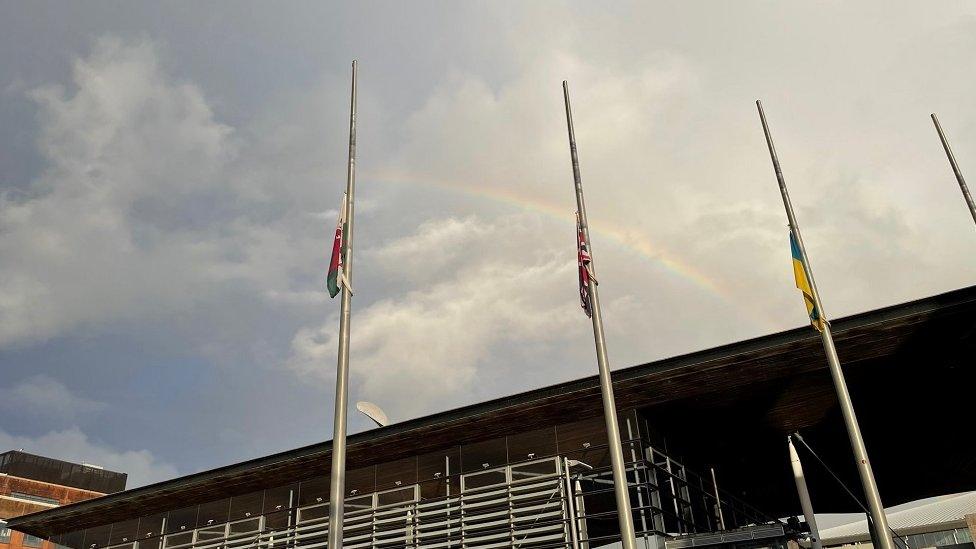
pixel 731 405
pixel 85 476
pixel 935 514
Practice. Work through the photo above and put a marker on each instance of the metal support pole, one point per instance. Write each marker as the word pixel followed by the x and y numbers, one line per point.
pixel 338 480
pixel 620 488
pixel 804 494
pixel 570 504
pixel 718 502
pixel 836 373
pixel 955 167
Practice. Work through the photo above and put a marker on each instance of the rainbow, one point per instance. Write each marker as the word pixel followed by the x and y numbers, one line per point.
pixel 628 239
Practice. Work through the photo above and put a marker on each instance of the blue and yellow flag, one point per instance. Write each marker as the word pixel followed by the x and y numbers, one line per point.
pixel 804 285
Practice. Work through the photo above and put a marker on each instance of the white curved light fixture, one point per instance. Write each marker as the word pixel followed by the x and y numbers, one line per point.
pixel 373 412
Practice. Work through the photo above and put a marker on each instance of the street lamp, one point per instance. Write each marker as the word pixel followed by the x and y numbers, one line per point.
pixel 373 412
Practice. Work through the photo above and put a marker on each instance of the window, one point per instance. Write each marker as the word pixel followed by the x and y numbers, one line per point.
pixel 400 495
pixel 314 491
pixel 212 533
pixel 124 532
pixel 247 505
pixel 213 513
pixel 32 497
pixel 152 543
pixel 580 435
pixel 439 464
pixel 401 472
pixel 532 445
pixel 173 540
pixel 32 541
pixel 279 498
pixel 4 532
pixel 245 526
pixel 181 520
pixel 963 535
pixel 483 455
pixel 97 536
pixel 360 481
pixel 485 478
pixel 535 469
pixel 150 526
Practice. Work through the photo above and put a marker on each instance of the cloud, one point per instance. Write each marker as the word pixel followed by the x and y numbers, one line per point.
pixel 439 344
pixel 74 445
pixel 44 396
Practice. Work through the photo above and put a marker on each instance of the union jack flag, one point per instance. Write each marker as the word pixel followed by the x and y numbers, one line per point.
pixel 585 269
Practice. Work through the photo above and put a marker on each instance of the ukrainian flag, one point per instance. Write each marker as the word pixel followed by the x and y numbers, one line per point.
pixel 804 285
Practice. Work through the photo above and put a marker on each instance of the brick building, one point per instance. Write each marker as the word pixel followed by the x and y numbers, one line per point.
pixel 30 483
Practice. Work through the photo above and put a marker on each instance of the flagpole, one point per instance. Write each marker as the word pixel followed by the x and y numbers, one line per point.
pixel 338 471
pixel 836 373
pixel 620 487
pixel 955 167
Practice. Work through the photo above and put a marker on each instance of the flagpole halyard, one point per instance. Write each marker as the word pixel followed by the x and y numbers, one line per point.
pixel 338 471
pixel 955 167
pixel 864 468
pixel 620 485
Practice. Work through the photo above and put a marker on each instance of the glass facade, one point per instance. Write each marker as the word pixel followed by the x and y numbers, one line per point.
pixel 547 487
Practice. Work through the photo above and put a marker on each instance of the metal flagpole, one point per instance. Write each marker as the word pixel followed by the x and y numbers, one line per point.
pixel 338 480
pixel 620 487
pixel 718 503
pixel 836 373
pixel 804 495
pixel 955 167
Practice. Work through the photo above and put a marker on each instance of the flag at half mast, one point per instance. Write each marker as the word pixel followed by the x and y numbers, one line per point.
pixel 336 276
pixel 585 270
pixel 803 284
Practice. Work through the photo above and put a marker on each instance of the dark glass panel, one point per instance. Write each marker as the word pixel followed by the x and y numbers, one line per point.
pixel 532 444
pixel 439 464
pixel 279 498
pixel 75 540
pixel 527 471
pixel 178 539
pixel 150 543
pixel 213 512
pixel 314 512
pixel 358 503
pixel 181 519
pixel 151 526
pixel 440 487
pixel 247 505
pixel 480 480
pixel 483 455
pixel 125 531
pixel 314 491
pixel 245 526
pixel 277 521
pixel 593 457
pixel 396 496
pixel 97 536
pixel 212 533
pixel 581 435
pixel 360 481
pixel 396 473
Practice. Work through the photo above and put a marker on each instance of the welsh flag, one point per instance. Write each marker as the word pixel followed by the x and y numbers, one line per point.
pixel 336 277
pixel 585 269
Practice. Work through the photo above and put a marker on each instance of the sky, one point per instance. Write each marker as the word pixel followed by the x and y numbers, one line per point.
pixel 170 175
